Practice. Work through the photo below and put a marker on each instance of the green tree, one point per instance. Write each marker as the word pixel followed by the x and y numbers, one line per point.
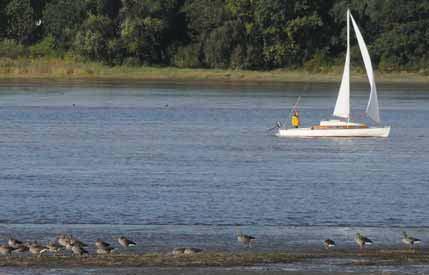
pixel 3 21
pixel 403 41
pixel 146 29
pixel 62 19
pixel 108 8
pixel 20 20
pixel 212 33
pixel 92 40
pixel 222 49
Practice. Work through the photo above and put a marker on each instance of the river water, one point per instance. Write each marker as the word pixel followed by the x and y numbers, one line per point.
pixel 175 164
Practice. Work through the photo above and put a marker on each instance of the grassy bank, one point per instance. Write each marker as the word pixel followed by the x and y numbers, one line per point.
pixel 218 259
pixel 63 69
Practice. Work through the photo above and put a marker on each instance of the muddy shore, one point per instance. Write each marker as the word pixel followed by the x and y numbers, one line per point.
pixel 219 259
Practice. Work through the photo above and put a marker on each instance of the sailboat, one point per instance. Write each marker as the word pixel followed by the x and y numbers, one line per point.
pixel 343 126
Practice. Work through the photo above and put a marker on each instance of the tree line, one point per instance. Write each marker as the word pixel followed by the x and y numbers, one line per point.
pixel 233 34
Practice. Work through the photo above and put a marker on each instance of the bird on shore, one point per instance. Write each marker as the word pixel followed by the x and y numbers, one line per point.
pixel 362 241
pixel 104 250
pixel 14 243
pixel 192 251
pixel 54 247
pixel 63 240
pixel 328 243
pixel 68 247
pixel 21 248
pixel 76 242
pixel 78 250
pixel 69 240
pixel 123 241
pixel 37 249
pixel 408 240
pixel 101 244
pixel 178 251
pixel 245 239
pixel 5 250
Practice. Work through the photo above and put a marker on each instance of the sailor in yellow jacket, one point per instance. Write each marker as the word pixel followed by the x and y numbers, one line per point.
pixel 295 120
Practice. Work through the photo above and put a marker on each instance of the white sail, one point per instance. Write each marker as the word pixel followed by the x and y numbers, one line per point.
pixel 342 107
pixel 372 109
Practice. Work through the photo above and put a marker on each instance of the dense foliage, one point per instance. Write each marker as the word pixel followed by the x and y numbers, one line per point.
pixel 236 34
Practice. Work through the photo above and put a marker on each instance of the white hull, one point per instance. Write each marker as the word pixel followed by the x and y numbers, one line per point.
pixel 309 132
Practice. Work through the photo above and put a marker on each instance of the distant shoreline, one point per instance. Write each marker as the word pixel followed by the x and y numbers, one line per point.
pixel 61 70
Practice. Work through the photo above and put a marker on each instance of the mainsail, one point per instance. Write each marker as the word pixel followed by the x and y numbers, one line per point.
pixel 342 107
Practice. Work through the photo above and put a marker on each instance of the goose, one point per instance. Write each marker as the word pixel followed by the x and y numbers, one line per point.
pixel 104 250
pixel 78 250
pixel 21 248
pixel 37 249
pixel 101 244
pixel 76 242
pixel 329 243
pixel 245 239
pixel 126 242
pixel 192 251
pixel 178 251
pixel 408 240
pixel 63 240
pixel 5 250
pixel 54 247
pixel 361 240
pixel 14 243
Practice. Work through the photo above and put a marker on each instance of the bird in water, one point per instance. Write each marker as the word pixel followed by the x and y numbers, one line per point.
pixel 244 239
pixel 361 240
pixel 328 243
pixel 408 240
pixel 123 241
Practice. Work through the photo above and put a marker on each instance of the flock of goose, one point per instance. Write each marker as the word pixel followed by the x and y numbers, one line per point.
pixel 363 241
pixel 360 240
pixel 62 243
pixel 78 248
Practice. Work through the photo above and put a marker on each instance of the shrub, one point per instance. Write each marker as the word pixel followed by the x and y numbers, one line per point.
pixel 46 47
pixel 11 49
pixel 318 63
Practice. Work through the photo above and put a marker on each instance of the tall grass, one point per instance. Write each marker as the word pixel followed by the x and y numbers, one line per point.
pixel 70 67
